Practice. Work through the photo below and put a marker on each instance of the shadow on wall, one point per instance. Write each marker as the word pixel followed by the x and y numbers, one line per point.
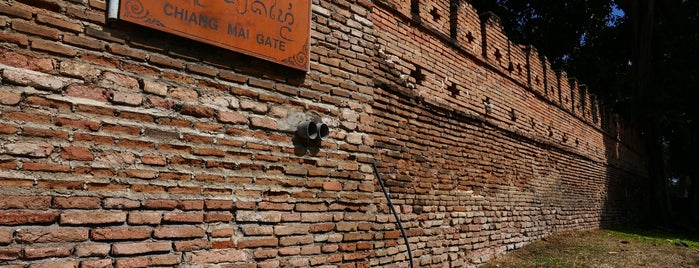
pixel 626 176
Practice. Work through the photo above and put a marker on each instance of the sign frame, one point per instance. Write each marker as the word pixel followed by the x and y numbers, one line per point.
pixel 278 31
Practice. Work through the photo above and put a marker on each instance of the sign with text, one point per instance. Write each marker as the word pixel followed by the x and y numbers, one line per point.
pixel 274 30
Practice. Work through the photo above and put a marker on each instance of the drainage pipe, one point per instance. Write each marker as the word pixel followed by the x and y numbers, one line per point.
pixel 395 214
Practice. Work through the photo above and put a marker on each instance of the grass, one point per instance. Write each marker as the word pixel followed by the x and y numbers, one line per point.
pixel 606 248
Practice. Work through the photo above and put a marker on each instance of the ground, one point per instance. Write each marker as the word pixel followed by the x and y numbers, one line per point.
pixel 606 248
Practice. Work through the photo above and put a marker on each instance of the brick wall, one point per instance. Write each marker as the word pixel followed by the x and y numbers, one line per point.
pixel 122 146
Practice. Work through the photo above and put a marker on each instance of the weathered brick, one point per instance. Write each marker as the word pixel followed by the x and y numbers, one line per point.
pixel 76 202
pixel 55 264
pixel 144 218
pixel 77 124
pixel 256 242
pixel 87 91
pixel 219 256
pixel 178 232
pixel 232 117
pixel 5 236
pixel 8 254
pixel 120 203
pixel 25 202
pixel 25 218
pixel 79 70
pixel 46 252
pixel 33 79
pixel 136 262
pixel 104 263
pixel 91 218
pixel 253 216
pixel 84 42
pixel 131 99
pixel 62 235
pixel 76 153
pixel 198 111
pixel 155 87
pixel 27 27
pixel 183 217
pixel 54 47
pixel 92 250
pixel 137 233
pixel 192 245
pixel 140 248
pixel 10 98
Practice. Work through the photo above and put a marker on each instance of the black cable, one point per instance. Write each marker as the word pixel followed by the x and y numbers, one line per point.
pixel 395 214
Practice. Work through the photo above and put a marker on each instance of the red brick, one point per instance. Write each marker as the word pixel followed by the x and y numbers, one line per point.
pixel 281 230
pixel 91 218
pixel 88 92
pixel 218 217
pixel 55 104
pixel 131 99
pixel 190 205
pixel 218 204
pixel 23 61
pixel 25 202
pixel 55 264
pixel 16 11
pixel 84 42
pixel 8 254
pixel 92 250
pixel 6 236
pixel 219 256
pixel 62 235
pixel 126 51
pixel 183 217
pixel 25 218
pixel 45 133
pixel 61 23
pixel 77 124
pixel 178 232
pixel 137 262
pixel 77 202
pixel 120 203
pixel 192 245
pixel 34 166
pixel 256 242
pixel 232 117
pixel 165 61
pixel 33 79
pixel 197 111
pixel 10 98
pixel 144 218
pixel 222 233
pixel 8 129
pixel 27 117
pixel 137 233
pixel 140 248
pixel 27 27
pixel 53 47
pixel 86 14
pixel 164 260
pixel 46 252
pixel 160 204
pixel 104 263
pixel 76 153
pixel 138 173
pixel 184 94
pixel 332 186
pixel 79 70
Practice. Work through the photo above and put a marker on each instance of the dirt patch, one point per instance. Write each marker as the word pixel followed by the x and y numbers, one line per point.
pixel 603 248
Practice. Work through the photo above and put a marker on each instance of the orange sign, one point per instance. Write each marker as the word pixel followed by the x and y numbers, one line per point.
pixel 275 30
